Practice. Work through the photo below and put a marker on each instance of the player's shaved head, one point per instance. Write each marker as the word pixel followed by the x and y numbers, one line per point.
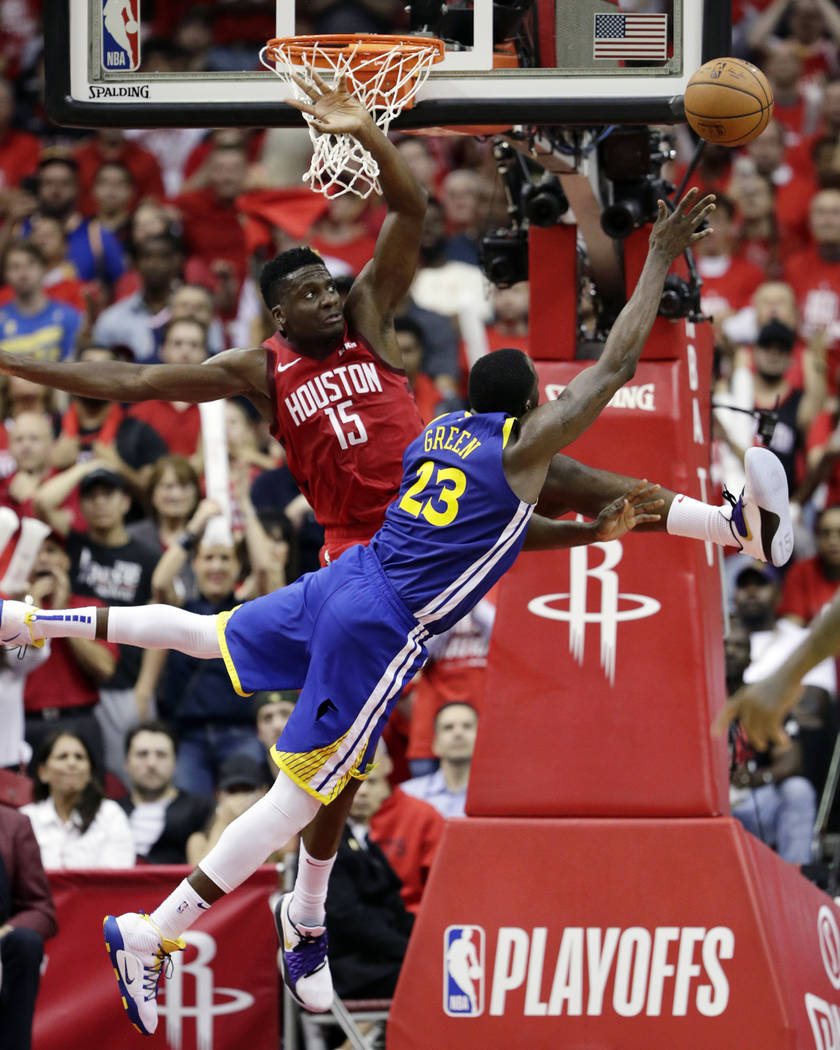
pixel 503 381
pixel 282 266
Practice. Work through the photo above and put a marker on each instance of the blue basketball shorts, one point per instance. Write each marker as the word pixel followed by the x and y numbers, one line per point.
pixel 344 638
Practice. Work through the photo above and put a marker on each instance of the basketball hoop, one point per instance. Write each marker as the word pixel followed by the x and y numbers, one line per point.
pixel 383 72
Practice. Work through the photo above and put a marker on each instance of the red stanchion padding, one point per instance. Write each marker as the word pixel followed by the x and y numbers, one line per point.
pixel 552 275
pixel 666 341
pixel 223 991
pixel 617 935
pixel 605 666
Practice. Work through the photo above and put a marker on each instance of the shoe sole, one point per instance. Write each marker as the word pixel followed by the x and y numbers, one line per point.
pixel 114 943
pixel 769 491
pixel 287 977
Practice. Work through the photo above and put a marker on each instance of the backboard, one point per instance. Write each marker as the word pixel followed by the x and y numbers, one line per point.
pixel 584 62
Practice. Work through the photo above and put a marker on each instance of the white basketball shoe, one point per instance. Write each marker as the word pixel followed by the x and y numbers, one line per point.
pixel 760 518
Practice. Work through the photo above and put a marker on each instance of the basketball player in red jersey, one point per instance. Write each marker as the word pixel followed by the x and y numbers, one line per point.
pixel 329 384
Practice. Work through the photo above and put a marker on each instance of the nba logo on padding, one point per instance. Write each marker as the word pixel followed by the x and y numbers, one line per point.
pixel 120 35
pixel 463 971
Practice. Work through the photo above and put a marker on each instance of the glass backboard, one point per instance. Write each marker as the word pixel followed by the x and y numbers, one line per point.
pixel 170 63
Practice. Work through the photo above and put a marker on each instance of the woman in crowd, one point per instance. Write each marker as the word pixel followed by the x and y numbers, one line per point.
pixel 75 825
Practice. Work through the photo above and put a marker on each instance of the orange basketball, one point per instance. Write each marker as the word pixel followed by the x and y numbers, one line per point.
pixel 728 101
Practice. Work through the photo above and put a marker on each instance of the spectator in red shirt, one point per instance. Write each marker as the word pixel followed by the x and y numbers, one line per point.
pixel 410 341
pixel 811 24
pixel 110 145
pixel 341 232
pixel 811 583
pixel 61 281
pixel 729 281
pixel 759 236
pixel 113 193
pixel 19 151
pixel 213 232
pixel 30 444
pixel 63 692
pixel 794 109
pixel 794 189
pixel 814 273
pixel 802 157
pixel 177 422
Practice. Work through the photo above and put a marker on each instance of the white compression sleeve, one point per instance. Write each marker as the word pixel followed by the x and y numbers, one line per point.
pixel 255 834
pixel 165 627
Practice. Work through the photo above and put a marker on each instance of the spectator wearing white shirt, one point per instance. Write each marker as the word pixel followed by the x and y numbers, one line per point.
pixel 456 725
pixel 75 825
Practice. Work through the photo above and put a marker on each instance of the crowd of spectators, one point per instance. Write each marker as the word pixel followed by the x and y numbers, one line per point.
pixel 146 245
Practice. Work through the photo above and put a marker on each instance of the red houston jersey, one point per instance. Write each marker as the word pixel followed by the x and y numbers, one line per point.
pixel 344 423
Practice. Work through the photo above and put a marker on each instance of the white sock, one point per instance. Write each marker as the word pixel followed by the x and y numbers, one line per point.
pixel 64 623
pixel 178 912
pixel 165 627
pixel 310 892
pixel 700 521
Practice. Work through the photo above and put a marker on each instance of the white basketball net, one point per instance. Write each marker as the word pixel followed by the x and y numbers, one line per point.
pixel 385 83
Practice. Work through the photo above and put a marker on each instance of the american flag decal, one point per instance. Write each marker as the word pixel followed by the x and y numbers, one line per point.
pixel 622 36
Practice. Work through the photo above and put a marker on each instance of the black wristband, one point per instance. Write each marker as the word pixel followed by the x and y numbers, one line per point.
pixel 188 540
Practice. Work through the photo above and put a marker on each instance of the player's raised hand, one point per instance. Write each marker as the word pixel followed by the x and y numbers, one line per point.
pixel 332 110
pixel 625 513
pixel 673 232
pixel 760 709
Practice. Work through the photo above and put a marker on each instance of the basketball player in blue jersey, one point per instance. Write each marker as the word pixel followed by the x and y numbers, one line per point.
pixel 351 634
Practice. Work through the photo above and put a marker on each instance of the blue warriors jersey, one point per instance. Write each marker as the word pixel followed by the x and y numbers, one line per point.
pixel 457 525
pixel 47 336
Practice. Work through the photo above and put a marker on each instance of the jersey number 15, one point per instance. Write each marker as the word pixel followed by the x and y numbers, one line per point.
pixel 348 427
pixel 449 486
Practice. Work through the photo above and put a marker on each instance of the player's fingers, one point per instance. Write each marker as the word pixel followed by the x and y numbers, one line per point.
pixel 781 741
pixel 724 717
pixel 756 733
pixel 661 211
pixel 700 234
pixel 319 81
pixel 306 85
pixel 688 199
pixel 701 212
pixel 646 517
pixel 304 107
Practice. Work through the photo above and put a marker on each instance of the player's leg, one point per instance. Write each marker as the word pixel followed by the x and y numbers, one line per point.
pixel 264 645
pixel 330 740
pixel 758 522
pixel 139 944
pixel 147 626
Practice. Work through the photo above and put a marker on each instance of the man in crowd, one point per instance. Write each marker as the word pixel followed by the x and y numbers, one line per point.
pixel 64 691
pixel 139 320
pixel 456 725
pixel 32 323
pixel 162 817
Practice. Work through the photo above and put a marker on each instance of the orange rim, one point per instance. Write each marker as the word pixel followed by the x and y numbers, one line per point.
pixel 368 52
pixel 365 46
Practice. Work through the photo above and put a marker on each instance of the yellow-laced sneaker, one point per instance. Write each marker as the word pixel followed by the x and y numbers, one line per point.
pixel 140 957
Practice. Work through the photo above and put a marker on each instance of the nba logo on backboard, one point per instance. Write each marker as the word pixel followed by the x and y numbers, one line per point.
pixel 120 35
pixel 463 971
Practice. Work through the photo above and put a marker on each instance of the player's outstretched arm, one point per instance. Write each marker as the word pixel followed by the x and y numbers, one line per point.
pixel 617 518
pixel 556 424
pixel 383 283
pixel 761 706
pixel 227 374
